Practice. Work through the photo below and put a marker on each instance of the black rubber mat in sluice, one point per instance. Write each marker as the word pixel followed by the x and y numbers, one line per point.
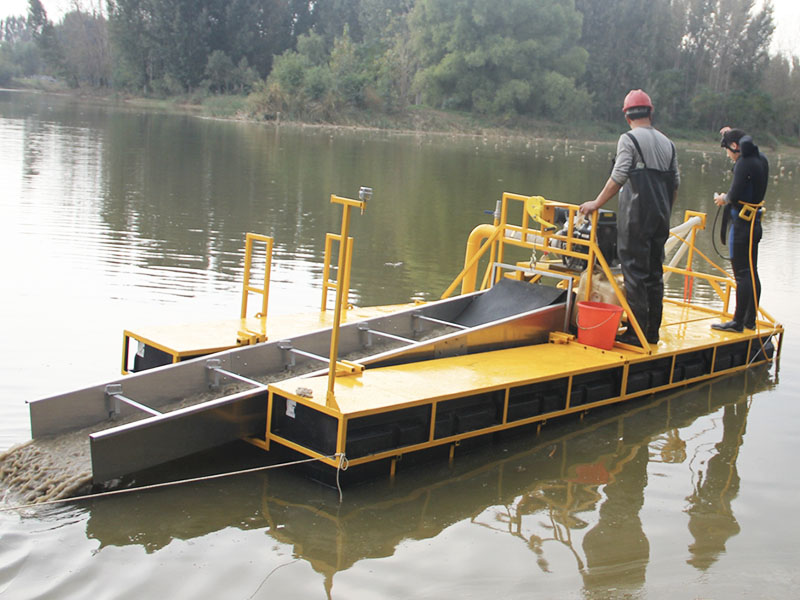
pixel 506 298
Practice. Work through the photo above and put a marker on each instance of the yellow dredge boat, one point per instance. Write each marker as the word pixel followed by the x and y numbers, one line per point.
pixel 362 388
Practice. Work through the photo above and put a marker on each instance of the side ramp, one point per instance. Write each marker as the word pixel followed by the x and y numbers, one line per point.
pixel 177 410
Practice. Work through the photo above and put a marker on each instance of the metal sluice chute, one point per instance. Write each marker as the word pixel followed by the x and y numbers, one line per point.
pixel 511 313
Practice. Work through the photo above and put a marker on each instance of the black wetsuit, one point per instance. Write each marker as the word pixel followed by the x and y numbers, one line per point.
pixel 749 185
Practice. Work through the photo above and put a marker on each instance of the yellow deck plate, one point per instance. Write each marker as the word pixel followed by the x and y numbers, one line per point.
pixel 415 383
pixel 197 339
pixel 685 329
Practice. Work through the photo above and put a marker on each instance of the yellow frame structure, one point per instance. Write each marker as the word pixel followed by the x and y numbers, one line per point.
pixel 327 282
pixel 181 343
pixel 537 235
pixel 245 335
pixel 496 376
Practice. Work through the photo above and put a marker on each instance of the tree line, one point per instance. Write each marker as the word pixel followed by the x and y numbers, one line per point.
pixel 705 63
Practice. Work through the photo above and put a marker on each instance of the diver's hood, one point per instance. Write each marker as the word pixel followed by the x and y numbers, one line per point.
pixel 747 146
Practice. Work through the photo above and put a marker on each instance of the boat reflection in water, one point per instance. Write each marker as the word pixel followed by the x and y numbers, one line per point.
pixel 578 485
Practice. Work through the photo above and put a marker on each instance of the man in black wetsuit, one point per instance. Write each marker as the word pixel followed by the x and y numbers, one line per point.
pixel 743 201
pixel 646 172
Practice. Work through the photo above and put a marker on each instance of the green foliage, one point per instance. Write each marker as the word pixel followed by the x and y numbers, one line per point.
pixel 561 99
pixel 135 66
pixel 494 56
pixel 220 71
pixel 244 76
pixel 704 62
pixel 312 83
pixel 289 72
pixel 334 17
pixel 83 40
pixel 782 83
pixel 751 110
pixel 8 70
pixel 314 48
pixel 44 34
pixel 348 69
pixel 319 81
pixel 393 61
pixel 630 44
pixel 723 50
pixel 166 86
pixel 262 99
pixel 20 54
pixel 708 106
pixel 224 106
pixel 258 30
pixel 176 38
pixel 37 17
pixel 27 57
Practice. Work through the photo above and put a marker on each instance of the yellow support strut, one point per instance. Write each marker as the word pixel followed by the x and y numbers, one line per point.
pixel 364 194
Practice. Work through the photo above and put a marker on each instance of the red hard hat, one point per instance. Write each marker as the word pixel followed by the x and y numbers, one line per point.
pixel 635 99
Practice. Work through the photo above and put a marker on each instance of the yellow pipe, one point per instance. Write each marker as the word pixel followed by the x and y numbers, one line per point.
pixel 476 238
pixel 248 259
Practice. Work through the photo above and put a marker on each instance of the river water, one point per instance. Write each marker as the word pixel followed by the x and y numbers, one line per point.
pixel 112 217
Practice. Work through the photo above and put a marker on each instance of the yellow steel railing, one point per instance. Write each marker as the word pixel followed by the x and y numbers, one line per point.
pixel 531 228
pixel 246 335
pixel 531 234
pixel 343 277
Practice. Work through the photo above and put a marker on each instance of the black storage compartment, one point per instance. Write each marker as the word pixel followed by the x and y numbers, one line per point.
pixel 536 399
pixel 309 428
pixel 594 387
pixel 387 431
pixel 691 365
pixel 468 414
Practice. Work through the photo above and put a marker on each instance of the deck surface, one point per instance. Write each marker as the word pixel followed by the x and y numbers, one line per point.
pixel 685 328
pixel 194 339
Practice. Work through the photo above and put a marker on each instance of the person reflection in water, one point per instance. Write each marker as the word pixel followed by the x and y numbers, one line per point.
pixel 617 550
pixel 711 520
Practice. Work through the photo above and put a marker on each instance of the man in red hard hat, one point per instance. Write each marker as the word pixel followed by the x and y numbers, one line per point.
pixel 646 176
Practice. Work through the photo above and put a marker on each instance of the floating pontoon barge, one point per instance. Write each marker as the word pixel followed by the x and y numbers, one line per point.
pixel 418 378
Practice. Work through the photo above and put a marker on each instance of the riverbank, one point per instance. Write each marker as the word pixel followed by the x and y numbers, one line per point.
pixel 416 120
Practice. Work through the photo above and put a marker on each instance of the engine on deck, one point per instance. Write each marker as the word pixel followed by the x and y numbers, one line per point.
pixel 606 236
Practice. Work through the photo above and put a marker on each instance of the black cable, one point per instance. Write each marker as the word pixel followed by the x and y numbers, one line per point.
pixel 714 233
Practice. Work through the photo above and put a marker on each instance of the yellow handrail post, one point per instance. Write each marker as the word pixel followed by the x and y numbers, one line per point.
pixel 248 263
pixel 590 261
pixel 246 336
pixel 364 194
pixel 688 287
pixel 327 282
pixel 326 270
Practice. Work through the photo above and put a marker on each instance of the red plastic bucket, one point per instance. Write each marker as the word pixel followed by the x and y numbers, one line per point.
pixel 598 323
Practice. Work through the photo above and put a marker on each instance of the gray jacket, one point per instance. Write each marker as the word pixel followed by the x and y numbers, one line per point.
pixel 657 151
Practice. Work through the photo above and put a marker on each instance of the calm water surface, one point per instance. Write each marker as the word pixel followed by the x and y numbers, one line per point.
pixel 111 217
